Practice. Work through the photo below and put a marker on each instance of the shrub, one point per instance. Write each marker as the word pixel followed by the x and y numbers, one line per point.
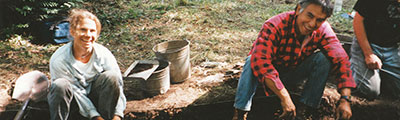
pixel 19 14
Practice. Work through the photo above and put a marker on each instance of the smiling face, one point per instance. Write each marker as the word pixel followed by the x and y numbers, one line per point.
pixel 84 34
pixel 309 19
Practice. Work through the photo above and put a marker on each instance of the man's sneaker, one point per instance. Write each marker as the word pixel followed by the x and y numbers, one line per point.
pixel 240 115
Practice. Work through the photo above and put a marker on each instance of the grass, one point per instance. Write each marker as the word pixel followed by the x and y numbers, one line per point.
pixel 219 31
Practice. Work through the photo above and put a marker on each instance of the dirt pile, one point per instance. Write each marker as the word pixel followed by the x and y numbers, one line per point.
pixel 211 97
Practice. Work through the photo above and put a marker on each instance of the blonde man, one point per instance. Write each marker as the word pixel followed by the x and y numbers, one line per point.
pixel 86 74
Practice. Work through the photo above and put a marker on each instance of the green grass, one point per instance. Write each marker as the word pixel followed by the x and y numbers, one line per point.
pixel 219 30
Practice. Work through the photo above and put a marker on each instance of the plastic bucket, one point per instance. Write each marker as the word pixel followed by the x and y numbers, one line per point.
pixel 177 52
pixel 159 80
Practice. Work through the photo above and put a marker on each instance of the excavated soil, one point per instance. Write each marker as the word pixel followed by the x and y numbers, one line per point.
pixel 211 98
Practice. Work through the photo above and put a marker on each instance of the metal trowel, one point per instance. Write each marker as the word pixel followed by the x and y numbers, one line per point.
pixel 30 87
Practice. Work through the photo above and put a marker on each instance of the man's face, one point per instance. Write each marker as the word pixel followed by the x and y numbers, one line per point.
pixel 85 34
pixel 309 19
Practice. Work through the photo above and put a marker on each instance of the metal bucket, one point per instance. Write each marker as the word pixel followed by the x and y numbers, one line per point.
pixel 159 80
pixel 135 78
pixel 134 88
pixel 177 52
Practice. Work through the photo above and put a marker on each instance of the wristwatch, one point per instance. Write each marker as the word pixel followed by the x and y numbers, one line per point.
pixel 347 98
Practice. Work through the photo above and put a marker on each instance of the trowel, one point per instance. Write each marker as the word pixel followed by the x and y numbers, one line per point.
pixel 141 69
pixel 29 88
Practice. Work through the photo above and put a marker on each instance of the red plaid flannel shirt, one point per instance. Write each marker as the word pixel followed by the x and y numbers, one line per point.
pixel 277 47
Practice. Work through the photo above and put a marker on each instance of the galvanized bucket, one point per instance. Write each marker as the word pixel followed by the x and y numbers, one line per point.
pixel 135 78
pixel 159 81
pixel 177 52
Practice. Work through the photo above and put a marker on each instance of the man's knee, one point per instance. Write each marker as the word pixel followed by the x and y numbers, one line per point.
pixel 321 63
pixel 59 85
pixel 108 78
pixel 111 75
pixel 321 59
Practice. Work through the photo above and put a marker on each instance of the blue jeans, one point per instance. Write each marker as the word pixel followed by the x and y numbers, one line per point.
pixel 316 68
pixel 369 81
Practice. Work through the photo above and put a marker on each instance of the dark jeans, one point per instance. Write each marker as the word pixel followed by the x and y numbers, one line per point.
pixel 103 95
pixel 315 68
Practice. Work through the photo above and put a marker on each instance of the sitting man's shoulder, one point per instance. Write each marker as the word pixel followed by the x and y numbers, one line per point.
pixel 61 52
pixel 102 50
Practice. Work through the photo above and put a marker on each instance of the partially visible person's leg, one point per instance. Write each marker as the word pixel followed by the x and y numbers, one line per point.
pixel 315 85
pixel 390 72
pixel 60 97
pixel 316 68
pixel 105 93
pixel 389 86
pixel 246 88
pixel 368 81
pixel 245 91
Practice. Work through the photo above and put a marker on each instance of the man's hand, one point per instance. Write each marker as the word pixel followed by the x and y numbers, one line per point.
pixel 116 117
pixel 289 110
pixel 97 118
pixel 373 62
pixel 343 111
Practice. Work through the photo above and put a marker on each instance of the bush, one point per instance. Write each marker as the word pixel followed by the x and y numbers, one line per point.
pixel 20 14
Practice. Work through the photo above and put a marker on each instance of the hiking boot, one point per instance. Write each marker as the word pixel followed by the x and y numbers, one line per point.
pixel 240 115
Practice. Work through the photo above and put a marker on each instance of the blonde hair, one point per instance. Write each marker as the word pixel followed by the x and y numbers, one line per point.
pixel 77 15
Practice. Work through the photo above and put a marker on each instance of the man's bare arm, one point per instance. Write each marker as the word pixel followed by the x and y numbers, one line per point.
pixel 372 61
pixel 289 109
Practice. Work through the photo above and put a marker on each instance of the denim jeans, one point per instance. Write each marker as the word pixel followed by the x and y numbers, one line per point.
pixel 369 81
pixel 315 69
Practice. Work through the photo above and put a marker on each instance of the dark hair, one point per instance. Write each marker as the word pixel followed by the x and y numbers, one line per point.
pixel 326 5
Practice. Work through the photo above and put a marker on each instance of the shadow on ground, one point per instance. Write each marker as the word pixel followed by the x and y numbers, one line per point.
pixel 217 104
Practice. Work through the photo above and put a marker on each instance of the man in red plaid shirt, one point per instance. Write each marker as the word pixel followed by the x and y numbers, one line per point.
pixel 291 47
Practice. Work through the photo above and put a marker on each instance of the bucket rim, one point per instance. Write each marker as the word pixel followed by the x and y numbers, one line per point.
pixel 161 61
pixel 172 51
